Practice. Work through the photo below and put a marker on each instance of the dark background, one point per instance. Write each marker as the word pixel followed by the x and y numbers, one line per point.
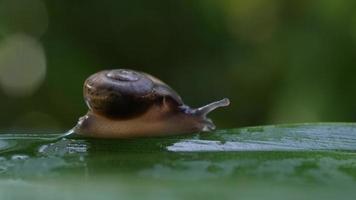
pixel 278 61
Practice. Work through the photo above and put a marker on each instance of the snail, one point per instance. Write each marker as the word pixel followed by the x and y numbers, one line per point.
pixel 125 103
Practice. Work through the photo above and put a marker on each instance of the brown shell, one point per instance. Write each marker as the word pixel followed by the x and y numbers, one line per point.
pixel 124 93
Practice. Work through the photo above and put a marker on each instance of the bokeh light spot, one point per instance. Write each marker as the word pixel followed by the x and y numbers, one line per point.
pixel 22 65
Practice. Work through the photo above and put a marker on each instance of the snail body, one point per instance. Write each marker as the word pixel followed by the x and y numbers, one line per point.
pixel 125 103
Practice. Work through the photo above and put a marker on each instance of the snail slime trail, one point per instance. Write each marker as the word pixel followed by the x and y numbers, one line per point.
pixel 37 136
pixel 125 103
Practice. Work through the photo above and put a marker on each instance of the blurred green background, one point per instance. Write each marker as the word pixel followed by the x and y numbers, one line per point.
pixel 278 61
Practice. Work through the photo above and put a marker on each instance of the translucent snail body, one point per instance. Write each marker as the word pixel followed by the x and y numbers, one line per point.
pixel 126 103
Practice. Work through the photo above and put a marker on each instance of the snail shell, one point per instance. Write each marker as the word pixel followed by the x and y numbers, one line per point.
pixel 125 103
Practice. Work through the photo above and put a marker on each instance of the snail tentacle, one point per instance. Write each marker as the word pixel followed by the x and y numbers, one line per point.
pixel 204 110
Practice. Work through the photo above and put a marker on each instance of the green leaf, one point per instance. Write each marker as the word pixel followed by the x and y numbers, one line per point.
pixel 266 162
